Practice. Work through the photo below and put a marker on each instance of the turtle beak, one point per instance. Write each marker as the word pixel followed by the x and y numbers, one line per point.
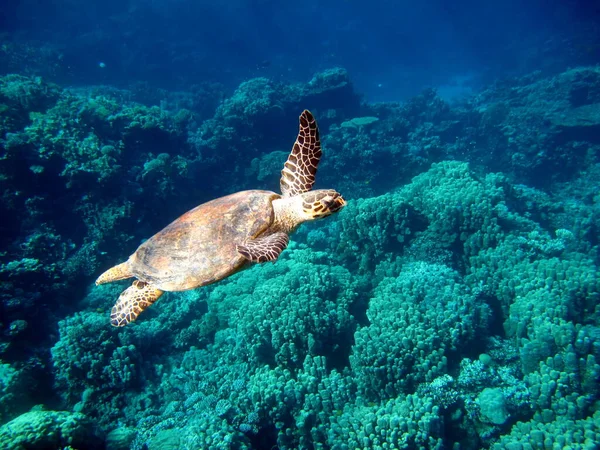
pixel 322 203
pixel 336 203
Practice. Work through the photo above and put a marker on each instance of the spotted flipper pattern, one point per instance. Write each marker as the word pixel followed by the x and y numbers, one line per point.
pixel 132 302
pixel 263 249
pixel 298 174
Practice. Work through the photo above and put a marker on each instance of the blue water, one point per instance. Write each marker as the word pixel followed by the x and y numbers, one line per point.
pixel 452 303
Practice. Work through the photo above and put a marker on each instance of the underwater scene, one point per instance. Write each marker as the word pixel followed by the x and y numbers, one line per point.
pixel 255 224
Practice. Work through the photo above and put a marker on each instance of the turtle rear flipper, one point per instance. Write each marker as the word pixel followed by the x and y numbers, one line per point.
pixel 132 302
pixel 264 248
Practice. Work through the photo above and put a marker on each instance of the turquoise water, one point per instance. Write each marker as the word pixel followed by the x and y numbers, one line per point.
pixel 452 303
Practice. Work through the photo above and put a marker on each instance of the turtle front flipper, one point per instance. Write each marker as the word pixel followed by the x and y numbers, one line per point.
pixel 132 302
pixel 298 174
pixel 264 248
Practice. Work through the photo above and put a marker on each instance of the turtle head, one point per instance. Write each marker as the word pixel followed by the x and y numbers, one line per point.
pixel 321 203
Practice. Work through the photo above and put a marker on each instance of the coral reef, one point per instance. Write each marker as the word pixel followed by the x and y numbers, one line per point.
pixel 50 429
pixel 453 303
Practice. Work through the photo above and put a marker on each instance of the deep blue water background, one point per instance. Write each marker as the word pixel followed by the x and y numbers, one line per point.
pixel 392 49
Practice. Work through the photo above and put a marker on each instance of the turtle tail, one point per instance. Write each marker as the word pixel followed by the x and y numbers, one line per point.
pixel 118 272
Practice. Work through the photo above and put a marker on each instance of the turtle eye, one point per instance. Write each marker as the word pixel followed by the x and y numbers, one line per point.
pixel 328 202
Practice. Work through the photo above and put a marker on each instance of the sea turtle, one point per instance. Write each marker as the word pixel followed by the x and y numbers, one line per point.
pixel 225 235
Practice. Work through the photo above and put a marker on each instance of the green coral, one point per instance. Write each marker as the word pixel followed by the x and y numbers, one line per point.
pixel 415 320
pixel 93 369
pixel 91 133
pixel 50 429
pixel 303 309
pixel 13 391
pixel 23 266
pixel 254 98
pixel 458 205
pixel 562 433
pixel 19 95
pixel 370 229
pixel 402 422
pixel 539 292
pixel 371 329
pixel 492 404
